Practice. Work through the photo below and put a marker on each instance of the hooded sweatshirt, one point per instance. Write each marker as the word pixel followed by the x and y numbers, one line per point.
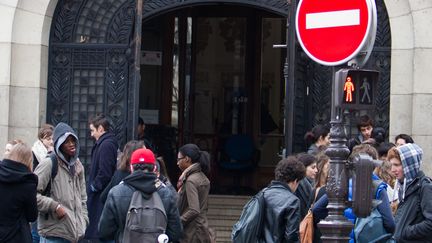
pixel 113 218
pixel 61 132
pixel 18 201
pixel 413 217
pixel 411 157
pixel 67 189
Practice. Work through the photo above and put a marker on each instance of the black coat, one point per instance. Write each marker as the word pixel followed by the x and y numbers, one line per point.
pixel 304 192
pixel 103 166
pixel 118 176
pixel 414 215
pixel 282 214
pixel 18 204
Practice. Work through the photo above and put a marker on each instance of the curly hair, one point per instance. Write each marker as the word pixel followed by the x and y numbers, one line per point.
pixel 290 169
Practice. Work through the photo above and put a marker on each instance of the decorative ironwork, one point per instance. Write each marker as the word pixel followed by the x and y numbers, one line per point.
pixel 91 66
pixel 152 7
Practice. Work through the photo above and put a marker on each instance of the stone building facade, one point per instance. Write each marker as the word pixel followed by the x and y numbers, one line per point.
pixel 24 47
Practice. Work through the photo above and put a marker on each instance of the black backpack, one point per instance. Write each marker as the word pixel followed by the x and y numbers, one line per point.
pixel 146 218
pixel 54 170
pixel 249 227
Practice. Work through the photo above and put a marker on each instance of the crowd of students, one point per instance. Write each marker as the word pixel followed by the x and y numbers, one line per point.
pixel 47 188
pixel 45 184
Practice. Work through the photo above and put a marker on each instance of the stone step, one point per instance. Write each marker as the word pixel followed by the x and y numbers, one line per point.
pixel 223 212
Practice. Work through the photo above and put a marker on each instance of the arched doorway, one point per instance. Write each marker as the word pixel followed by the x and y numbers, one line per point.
pixel 208 72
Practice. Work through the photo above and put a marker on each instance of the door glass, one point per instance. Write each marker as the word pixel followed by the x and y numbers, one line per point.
pixel 151 71
pixel 272 90
pixel 219 86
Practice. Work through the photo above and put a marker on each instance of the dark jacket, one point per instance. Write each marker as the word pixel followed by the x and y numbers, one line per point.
pixel 282 214
pixel 414 215
pixel 304 192
pixel 193 205
pixel 113 218
pixel 18 204
pixel 319 210
pixel 103 166
pixel 118 176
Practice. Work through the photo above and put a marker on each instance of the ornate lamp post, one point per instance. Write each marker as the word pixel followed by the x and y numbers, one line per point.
pixel 336 228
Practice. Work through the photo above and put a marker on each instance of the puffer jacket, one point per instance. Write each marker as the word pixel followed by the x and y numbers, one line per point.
pixel 67 188
pixel 113 218
pixel 282 214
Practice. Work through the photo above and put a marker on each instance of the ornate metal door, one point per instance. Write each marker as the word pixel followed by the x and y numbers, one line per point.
pixel 91 66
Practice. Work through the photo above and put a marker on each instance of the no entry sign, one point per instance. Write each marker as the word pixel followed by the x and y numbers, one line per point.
pixel 332 32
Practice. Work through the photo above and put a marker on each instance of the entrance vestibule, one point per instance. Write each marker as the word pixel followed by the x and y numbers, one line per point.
pixel 211 73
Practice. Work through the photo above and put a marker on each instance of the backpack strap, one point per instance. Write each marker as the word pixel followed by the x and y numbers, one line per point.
pixel 379 185
pixel 54 171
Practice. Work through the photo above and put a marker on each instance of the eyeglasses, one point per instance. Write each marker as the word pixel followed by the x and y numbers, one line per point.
pixel 178 159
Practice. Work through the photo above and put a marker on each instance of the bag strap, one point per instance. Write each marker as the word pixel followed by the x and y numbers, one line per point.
pixel 54 171
pixel 315 193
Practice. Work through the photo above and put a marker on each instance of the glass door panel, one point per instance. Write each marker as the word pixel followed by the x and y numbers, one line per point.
pixel 219 87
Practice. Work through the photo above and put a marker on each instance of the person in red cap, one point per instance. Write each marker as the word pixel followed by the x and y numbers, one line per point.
pixel 144 179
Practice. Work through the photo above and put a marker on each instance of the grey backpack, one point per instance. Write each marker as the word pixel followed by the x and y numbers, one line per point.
pixel 146 218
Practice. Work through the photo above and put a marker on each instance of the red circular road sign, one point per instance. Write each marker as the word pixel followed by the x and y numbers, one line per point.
pixel 332 32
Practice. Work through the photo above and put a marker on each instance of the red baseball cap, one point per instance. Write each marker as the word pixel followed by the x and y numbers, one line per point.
pixel 143 156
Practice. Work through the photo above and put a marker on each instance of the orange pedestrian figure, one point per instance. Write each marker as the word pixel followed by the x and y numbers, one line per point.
pixel 349 88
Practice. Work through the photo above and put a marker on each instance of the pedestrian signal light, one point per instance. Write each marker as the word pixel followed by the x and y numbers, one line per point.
pixel 355 89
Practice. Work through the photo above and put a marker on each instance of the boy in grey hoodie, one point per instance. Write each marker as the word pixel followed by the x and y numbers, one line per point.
pixel 414 214
pixel 63 214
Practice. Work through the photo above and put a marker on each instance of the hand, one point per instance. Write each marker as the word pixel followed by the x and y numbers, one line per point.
pixel 60 211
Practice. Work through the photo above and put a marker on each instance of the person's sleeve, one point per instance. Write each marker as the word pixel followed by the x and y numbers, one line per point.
pixel 108 223
pixel 105 191
pixel 43 171
pixel 31 210
pixel 422 230
pixel 107 165
pixel 292 219
pixel 319 209
pixel 385 211
pixel 193 208
pixel 174 228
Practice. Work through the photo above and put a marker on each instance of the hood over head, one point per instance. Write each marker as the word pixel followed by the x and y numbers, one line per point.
pixel 411 157
pixel 145 182
pixel 61 132
pixel 14 172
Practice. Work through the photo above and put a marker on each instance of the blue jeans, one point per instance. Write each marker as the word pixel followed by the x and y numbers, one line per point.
pixel 34 232
pixel 53 240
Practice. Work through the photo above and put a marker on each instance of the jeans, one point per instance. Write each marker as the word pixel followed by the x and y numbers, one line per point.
pixel 34 232
pixel 53 240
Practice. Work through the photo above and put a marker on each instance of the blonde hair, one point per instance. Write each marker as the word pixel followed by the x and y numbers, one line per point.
pixel 321 177
pixel 385 174
pixel 21 153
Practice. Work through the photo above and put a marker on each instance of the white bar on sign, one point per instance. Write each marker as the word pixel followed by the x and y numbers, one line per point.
pixel 333 19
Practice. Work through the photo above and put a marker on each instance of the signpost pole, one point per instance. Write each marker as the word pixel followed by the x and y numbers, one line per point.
pixel 289 71
pixel 336 228
pixel 334 32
